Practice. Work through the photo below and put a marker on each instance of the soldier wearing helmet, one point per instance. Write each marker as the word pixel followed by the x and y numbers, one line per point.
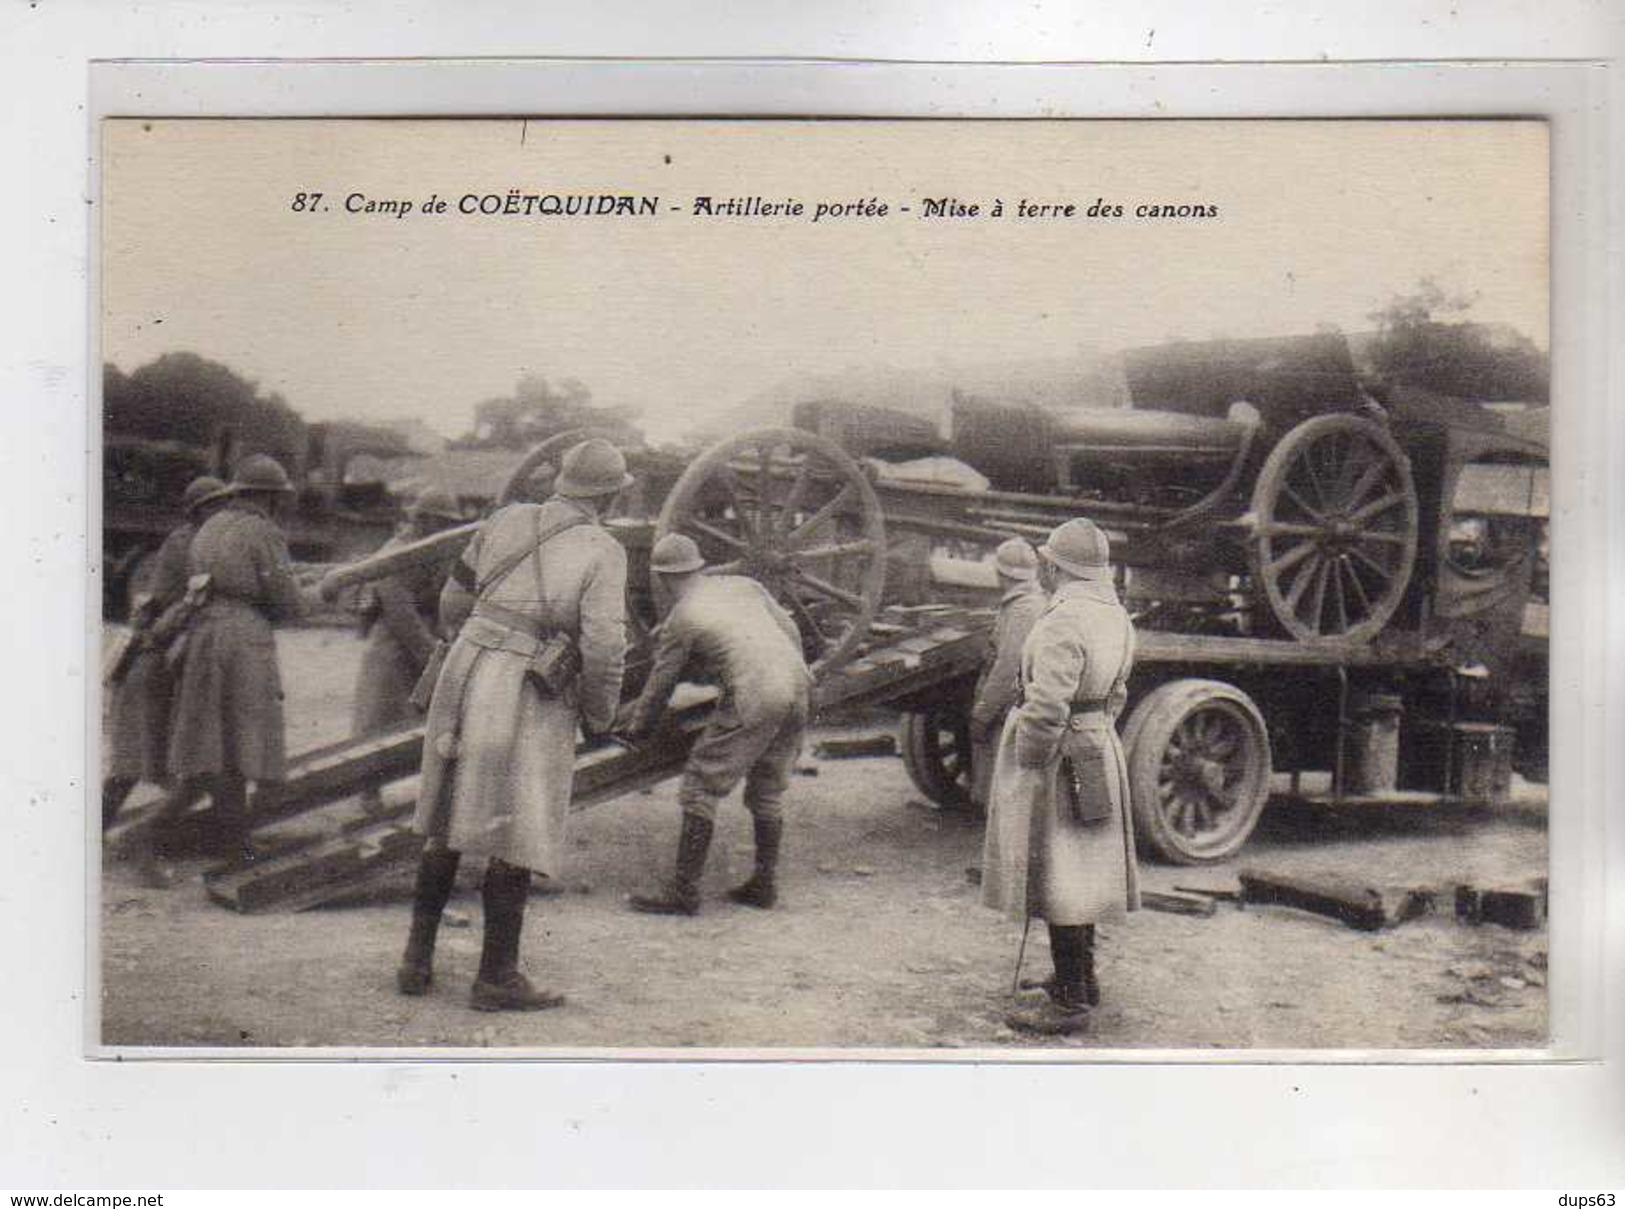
pixel 399 619
pixel 540 590
pixel 139 703
pixel 729 630
pixel 1059 843
pixel 227 725
pixel 999 685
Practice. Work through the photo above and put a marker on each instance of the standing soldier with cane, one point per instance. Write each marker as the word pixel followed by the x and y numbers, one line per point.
pixel 399 622
pixel 998 688
pixel 730 629
pixel 543 589
pixel 1059 842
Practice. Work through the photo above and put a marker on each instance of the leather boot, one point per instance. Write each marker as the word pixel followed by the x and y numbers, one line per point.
pixel 230 794
pixel 437 876
pixel 115 790
pixel 681 896
pixel 500 987
pixel 150 869
pixel 1066 1010
pixel 762 888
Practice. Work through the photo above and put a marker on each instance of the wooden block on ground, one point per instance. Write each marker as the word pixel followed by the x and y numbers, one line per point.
pixel 1523 909
pixel 1363 907
pixel 856 749
pixel 1177 904
pixel 1217 894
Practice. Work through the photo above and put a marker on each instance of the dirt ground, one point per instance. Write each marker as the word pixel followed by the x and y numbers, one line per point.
pixel 880 939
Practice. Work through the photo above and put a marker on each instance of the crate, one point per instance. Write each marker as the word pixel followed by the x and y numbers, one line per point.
pixel 1467 760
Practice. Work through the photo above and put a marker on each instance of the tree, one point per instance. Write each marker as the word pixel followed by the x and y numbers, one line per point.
pixel 1424 340
pixel 539 409
pixel 201 403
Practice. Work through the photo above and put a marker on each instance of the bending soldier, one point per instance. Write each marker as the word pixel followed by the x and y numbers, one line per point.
pixel 730 630
pixel 542 648
pixel 1059 843
pixel 399 620
pixel 227 726
pixel 998 688
pixel 139 703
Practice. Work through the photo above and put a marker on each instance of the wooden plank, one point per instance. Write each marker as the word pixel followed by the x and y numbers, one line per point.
pixel 863 747
pixel 1177 904
pixel 1159 646
pixel 1363 907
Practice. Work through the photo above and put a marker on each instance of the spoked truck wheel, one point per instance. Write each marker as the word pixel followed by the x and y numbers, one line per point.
pixel 1199 770
pixel 937 754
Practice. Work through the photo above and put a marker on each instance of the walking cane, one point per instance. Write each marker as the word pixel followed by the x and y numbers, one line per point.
pixel 1021 953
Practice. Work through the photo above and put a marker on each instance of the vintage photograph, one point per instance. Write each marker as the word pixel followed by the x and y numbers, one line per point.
pixel 823 587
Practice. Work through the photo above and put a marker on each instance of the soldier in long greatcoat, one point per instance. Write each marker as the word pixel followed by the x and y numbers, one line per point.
pixel 399 616
pixel 226 728
pixel 1060 844
pixel 139 704
pixel 998 687
pixel 499 745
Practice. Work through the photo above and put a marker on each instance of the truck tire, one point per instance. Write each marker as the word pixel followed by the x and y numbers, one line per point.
pixel 937 755
pixel 1199 770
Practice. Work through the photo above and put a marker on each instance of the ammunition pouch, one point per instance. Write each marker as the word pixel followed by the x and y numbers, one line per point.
pixel 1085 773
pixel 554 661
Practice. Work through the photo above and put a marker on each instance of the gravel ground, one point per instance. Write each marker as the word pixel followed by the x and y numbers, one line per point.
pixel 880 940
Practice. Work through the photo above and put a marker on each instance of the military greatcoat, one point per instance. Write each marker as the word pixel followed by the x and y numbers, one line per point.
pixel 499 751
pixel 228 709
pixel 399 639
pixel 139 704
pixel 998 688
pixel 1040 858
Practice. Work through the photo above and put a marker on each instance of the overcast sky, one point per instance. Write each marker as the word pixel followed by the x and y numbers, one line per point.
pixel 374 317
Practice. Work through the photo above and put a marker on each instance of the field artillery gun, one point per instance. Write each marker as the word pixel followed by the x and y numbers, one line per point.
pixel 1326 585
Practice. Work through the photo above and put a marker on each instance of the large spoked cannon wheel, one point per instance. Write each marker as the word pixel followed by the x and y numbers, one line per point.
pixel 791 509
pixel 1335 529
pixel 1199 770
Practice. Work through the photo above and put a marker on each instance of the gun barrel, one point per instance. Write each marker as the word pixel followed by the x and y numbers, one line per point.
pixel 437 547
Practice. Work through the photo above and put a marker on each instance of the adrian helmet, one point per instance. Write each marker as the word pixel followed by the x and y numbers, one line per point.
pixel 201 490
pixel 260 472
pixel 594 467
pixel 1078 546
pixel 675 554
pixel 1015 559
pixel 435 502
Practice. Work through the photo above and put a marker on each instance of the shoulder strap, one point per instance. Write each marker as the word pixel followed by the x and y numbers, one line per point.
pixel 544 534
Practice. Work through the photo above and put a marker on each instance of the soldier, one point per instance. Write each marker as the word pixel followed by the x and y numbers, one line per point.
pixel 729 628
pixel 542 588
pixel 399 622
pixel 1059 843
pixel 999 686
pixel 139 703
pixel 227 725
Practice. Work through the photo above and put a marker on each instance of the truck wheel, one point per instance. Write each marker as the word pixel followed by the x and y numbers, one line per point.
pixel 937 755
pixel 1199 770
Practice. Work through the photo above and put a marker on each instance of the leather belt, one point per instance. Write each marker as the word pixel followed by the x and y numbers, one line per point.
pixel 1082 708
pixel 514 620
